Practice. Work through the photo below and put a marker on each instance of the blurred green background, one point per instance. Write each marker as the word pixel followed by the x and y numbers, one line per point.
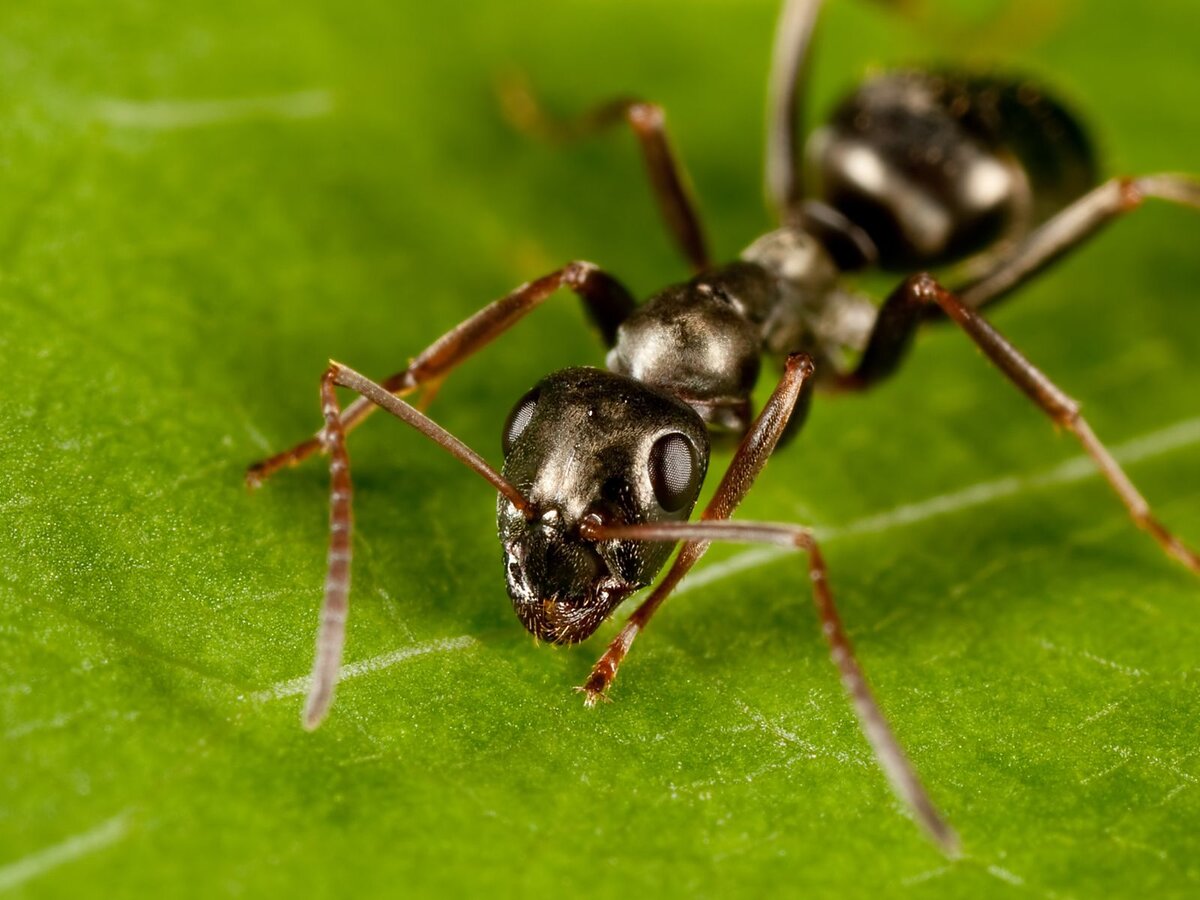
pixel 203 203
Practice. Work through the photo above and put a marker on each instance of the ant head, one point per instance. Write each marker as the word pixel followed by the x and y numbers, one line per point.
pixel 588 443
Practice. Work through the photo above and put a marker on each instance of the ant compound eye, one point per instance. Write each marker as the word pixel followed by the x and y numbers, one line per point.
pixel 518 420
pixel 674 472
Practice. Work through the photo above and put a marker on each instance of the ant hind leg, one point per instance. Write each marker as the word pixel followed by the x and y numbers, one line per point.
pixel 1070 229
pixel 899 318
pixel 782 177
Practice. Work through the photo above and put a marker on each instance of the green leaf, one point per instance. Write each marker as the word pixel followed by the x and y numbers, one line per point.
pixel 202 205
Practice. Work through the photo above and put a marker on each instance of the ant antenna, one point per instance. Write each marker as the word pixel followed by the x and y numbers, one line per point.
pixel 331 634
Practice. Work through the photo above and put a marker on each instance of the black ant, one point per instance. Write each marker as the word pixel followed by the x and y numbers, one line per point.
pixel 916 169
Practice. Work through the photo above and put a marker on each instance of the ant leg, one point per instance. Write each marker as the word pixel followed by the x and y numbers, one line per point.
pixel 672 186
pixel 748 461
pixel 892 335
pixel 1071 228
pixel 785 108
pixel 890 755
pixel 799 416
pixel 608 303
pixel 898 320
pixel 331 634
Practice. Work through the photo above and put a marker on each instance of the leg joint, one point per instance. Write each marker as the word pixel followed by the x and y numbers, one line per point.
pixel 923 288
pixel 646 117
pixel 1131 194
pixel 801 363
pixel 577 273
pixel 1067 412
pixel 328 438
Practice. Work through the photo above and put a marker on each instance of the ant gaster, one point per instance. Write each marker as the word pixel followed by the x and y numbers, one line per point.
pixel 602 470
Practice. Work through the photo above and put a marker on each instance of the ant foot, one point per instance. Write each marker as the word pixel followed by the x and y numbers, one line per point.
pixel 596 687
pixel 593 693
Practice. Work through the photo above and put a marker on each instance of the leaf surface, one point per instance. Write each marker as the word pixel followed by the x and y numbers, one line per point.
pixel 204 205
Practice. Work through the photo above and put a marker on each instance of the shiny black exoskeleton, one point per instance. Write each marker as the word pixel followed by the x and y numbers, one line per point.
pixel 603 469
pixel 936 166
pixel 915 169
pixel 587 442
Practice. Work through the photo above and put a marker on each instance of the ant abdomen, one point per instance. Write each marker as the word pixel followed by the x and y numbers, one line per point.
pixel 938 166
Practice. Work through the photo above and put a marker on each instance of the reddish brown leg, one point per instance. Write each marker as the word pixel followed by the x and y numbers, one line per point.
pixel 892 758
pixel 672 187
pixel 607 302
pixel 331 634
pixel 749 460
pixel 785 108
pixel 1069 230
pixel 1072 228
pixel 1063 410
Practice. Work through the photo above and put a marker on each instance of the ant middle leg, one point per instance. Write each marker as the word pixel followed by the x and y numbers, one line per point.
pixel 898 320
pixel 669 179
pixel 890 755
pixel 607 301
pixel 1069 229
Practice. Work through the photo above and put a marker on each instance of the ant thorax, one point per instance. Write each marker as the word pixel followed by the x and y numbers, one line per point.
pixel 700 341
pixel 703 340
pixel 809 309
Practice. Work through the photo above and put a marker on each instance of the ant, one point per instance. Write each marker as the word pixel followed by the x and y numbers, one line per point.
pixel 916 169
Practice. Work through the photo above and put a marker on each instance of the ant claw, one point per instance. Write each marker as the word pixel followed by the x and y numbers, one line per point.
pixel 593 694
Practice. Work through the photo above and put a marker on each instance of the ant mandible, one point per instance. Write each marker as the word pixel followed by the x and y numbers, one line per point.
pixel 603 468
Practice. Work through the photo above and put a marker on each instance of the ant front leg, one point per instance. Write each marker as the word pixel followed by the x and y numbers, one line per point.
pixel 898 320
pixel 751 457
pixel 1071 228
pixel 747 464
pixel 890 755
pixel 668 177
pixel 608 304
